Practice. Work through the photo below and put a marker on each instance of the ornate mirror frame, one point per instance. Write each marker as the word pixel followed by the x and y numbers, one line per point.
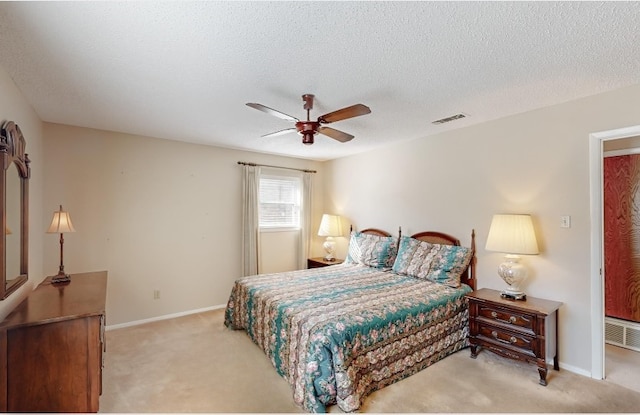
pixel 12 152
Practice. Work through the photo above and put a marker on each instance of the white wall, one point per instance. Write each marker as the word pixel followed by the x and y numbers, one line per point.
pixel 13 107
pixel 536 162
pixel 279 251
pixel 157 214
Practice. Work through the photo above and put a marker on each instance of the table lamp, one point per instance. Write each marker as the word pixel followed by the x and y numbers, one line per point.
pixel 513 235
pixel 330 227
pixel 61 223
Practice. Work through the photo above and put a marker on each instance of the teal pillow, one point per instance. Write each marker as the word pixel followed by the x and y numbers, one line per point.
pixel 414 257
pixel 448 264
pixel 372 250
pixel 443 264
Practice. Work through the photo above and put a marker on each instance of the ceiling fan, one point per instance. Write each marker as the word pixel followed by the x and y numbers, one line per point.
pixel 307 128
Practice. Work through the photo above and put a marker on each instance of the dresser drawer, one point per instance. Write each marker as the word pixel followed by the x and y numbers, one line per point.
pixel 519 321
pixel 521 342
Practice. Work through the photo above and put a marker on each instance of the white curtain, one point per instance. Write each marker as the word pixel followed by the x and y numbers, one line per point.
pixel 250 221
pixel 305 221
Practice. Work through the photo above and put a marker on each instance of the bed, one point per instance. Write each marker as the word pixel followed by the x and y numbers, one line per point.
pixel 336 334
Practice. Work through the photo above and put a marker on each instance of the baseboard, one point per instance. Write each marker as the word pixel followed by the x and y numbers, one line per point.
pixel 573 369
pixel 164 317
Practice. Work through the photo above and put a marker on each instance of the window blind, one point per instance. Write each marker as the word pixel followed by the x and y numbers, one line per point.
pixel 279 202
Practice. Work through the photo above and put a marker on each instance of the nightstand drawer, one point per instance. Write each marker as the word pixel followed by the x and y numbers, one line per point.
pixel 519 341
pixel 519 321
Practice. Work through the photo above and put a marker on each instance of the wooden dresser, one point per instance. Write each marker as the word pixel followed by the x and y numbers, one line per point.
pixel 51 348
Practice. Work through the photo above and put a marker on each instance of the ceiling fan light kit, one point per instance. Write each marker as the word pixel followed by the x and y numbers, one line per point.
pixel 307 128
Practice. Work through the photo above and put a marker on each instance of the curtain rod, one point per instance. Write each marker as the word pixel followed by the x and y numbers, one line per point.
pixel 275 167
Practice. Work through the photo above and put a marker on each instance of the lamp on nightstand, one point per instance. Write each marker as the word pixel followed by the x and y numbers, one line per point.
pixel 514 236
pixel 330 227
pixel 61 223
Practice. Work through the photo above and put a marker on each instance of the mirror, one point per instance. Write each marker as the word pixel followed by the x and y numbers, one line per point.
pixel 12 230
pixel 14 202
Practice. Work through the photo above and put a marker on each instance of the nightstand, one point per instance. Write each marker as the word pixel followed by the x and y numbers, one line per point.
pixel 321 262
pixel 521 330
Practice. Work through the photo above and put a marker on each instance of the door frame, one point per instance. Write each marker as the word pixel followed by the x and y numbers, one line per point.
pixel 596 174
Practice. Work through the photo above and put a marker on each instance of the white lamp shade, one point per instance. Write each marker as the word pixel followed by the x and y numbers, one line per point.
pixel 61 222
pixel 512 234
pixel 330 226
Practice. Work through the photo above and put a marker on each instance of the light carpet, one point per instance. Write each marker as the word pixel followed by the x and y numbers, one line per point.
pixel 195 364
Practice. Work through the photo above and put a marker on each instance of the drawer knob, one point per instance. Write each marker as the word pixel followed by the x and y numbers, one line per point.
pixel 511 320
pixel 512 339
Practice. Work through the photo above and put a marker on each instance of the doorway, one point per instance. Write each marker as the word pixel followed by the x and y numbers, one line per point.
pixel 621 179
pixel 603 355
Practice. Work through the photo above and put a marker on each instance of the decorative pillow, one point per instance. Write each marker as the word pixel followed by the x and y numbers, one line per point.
pixel 448 264
pixel 414 257
pixel 372 250
pixel 353 253
pixel 443 264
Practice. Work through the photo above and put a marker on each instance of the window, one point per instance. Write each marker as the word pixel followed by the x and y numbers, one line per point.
pixel 279 198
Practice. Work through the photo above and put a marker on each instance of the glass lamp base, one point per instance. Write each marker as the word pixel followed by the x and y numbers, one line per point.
pixel 330 247
pixel 509 296
pixel 514 274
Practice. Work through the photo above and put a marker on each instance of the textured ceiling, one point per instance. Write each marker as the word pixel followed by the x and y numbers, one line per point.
pixel 184 70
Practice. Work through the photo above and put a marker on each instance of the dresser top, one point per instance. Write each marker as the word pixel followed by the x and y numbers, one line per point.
pixel 84 296
pixel 531 304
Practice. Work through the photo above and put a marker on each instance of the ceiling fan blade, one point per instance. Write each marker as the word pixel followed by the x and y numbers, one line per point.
pixel 271 111
pixel 335 134
pixel 344 113
pixel 281 132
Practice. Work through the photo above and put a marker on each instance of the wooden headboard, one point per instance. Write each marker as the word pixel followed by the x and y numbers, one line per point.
pixel 469 276
pixel 374 231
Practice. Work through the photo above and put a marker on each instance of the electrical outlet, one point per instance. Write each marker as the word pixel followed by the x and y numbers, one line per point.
pixel 156 294
pixel 565 221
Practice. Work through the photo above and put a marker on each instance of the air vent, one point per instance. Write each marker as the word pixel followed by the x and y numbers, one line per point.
pixel 449 119
pixel 622 333
pixel 614 333
pixel 633 338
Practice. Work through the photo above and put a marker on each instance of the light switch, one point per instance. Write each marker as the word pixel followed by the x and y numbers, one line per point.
pixel 565 221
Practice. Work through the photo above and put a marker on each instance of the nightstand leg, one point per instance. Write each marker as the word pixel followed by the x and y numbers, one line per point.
pixel 556 366
pixel 474 351
pixel 543 375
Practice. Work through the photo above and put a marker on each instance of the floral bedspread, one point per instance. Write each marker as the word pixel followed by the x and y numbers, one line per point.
pixel 339 333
